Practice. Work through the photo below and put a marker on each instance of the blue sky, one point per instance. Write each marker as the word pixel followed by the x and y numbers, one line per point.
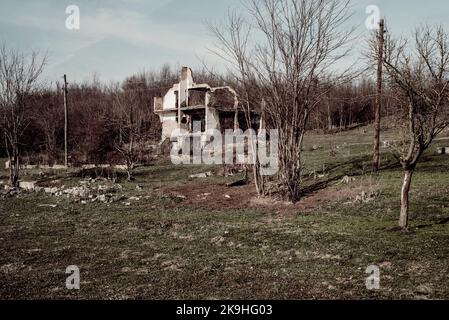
pixel 120 37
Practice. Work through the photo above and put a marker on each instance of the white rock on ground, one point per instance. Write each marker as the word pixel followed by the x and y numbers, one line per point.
pixel 27 185
pixel 201 175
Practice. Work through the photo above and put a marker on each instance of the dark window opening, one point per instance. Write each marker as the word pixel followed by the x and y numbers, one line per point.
pixel 197 98
pixel 198 121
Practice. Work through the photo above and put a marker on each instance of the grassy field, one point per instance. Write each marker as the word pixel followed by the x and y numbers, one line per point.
pixel 198 239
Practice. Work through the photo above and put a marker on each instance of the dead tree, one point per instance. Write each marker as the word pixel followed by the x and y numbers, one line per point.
pixel 18 80
pixel 286 54
pixel 419 74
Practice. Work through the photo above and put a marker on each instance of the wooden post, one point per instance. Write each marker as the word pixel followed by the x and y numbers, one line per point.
pixel 380 51
pixel 66 159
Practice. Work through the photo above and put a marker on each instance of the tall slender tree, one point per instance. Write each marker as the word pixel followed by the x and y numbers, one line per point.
pixel 19 75
pixel 419 74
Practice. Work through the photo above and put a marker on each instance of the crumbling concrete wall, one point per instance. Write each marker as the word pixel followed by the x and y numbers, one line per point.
pixel 212 115
pixel 186 81
pixel 169 101
pixel 212 119
pixel 169 124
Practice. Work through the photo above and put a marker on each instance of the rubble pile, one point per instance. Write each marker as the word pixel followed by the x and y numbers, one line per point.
pixel 86 192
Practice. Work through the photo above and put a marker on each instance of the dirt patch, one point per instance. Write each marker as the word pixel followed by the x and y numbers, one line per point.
pixel 309 202
pixel 217 196
pixel 213 196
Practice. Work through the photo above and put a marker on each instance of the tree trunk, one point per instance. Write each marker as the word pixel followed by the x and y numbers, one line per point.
pixel 403 218
pixel 14 163
pixel 14 171
pixel 129 174
pixel 258 178
pixel 129 168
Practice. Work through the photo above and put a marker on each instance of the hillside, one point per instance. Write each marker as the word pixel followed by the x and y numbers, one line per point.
pixel 173 237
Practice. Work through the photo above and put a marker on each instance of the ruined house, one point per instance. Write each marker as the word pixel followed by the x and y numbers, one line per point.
pixel 199 107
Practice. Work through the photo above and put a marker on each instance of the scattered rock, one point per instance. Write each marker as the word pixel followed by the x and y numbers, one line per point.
pixel 424 290
pixel 102 198
pixel 218 240
pixel 9 192
pixel 107 189
pixel 51 191
pixel 200 175
pixel 47 205
pixel 347 180
pixel 117 198
pixel 8 188
pixel 27 185
pixel 59 167
pixel 385 264
pixel 85 193
pixel 366 197
pixel 443 150
pixel 78 193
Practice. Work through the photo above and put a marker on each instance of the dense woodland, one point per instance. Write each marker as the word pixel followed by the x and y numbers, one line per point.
pixel 95 125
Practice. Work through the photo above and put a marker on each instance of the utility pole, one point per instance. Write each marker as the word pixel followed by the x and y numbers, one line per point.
pixel 66 158
pixel 378 107
pixel 179 105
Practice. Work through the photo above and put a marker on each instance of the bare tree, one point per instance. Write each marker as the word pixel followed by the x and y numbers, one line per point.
pixel 233 47
pixel 285 49
pixel 18 79
pixel 419 73
pixel 131 117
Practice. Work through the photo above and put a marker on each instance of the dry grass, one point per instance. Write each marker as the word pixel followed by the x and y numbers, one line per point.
pixel 204 245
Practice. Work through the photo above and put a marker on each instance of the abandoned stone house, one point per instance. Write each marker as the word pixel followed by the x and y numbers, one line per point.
pixel 198 108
